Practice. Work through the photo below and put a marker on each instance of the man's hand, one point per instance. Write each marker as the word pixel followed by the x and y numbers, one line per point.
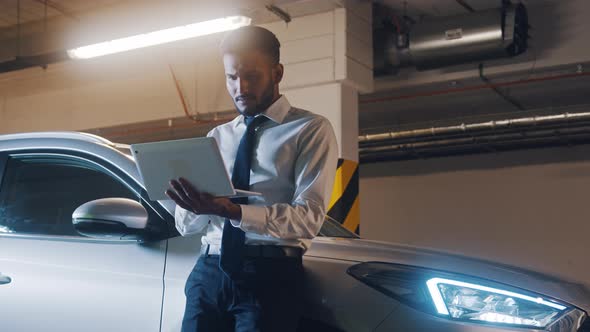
pixel 189 198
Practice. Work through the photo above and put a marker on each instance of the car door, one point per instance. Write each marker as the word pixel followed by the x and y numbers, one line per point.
pixel 53 279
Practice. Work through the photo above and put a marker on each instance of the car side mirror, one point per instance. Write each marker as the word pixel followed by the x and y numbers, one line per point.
pixel 111 218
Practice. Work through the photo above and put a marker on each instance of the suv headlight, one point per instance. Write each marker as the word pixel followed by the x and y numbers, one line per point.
pixel 460 297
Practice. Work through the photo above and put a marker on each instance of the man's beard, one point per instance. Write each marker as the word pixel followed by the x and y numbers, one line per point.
pixel 265 101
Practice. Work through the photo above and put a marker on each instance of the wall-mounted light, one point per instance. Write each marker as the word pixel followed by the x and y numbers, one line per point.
pixel 159 37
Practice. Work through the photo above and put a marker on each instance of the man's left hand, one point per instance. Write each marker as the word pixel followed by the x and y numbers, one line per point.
pixel 189 198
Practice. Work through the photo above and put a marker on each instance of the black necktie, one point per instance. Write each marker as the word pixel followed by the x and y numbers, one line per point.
pixel 232 241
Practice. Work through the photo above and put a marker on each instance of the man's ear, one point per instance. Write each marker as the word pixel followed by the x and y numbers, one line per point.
pixel 278 73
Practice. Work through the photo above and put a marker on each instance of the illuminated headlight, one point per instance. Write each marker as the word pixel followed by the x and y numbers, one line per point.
pixel 458 297
pixel 463 300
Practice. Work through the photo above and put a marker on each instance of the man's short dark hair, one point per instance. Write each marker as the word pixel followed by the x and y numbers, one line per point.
pixel 252 38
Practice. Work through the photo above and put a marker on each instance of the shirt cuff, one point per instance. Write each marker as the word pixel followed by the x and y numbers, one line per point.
pixel 253 219
pixel 180 215
pixel 188 223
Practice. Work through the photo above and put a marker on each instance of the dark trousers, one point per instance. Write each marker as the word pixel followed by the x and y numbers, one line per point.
pixel 265 297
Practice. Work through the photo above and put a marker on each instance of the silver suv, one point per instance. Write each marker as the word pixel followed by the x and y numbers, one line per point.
pixel 82 248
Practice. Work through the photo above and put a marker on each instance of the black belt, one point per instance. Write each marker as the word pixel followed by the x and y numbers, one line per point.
pixel 268 251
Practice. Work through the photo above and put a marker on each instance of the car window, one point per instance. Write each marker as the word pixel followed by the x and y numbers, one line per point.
pixel 39 194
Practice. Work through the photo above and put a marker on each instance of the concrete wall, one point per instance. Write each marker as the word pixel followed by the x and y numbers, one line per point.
pixel 525 208
pixel 113 90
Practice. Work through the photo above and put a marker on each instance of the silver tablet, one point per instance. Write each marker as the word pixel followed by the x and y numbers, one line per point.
pixel 196 159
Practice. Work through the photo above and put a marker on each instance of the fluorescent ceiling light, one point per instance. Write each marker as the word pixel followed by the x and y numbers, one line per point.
pixel 159 37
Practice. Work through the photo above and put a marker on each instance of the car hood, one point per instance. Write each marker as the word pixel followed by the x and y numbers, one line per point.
pixel 358 250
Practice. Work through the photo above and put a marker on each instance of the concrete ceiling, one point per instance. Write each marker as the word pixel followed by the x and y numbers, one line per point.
pixel 51 25
pixel 448 103
pixel 25 11
pixel 58 20
pixel 416 99
pixel 427 8
pixel 31 11
pixel 87 18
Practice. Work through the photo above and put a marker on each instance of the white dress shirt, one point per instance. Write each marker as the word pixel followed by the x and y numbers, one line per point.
pixel 293 167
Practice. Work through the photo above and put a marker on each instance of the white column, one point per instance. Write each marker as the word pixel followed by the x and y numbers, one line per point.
pixel 338 102
pixel 328 60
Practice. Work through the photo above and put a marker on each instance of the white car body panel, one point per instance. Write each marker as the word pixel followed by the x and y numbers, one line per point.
pixel 183 253
pixel 72 286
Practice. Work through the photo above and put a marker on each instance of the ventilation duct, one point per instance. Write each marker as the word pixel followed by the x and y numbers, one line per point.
pixel 458 39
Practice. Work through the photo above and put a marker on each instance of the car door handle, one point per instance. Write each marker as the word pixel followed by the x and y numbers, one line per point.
pixel 4 279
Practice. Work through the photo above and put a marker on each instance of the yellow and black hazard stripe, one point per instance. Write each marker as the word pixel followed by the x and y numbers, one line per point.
pixel 344 204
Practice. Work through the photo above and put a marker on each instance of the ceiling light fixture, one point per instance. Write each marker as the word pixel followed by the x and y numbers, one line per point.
pixel 159 37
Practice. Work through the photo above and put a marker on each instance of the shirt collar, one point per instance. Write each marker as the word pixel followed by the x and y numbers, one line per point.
pixel 276 112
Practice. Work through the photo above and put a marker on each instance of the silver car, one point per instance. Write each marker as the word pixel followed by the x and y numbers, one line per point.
pixel 82 248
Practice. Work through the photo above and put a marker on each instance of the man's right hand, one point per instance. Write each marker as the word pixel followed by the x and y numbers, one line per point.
pixel 183 193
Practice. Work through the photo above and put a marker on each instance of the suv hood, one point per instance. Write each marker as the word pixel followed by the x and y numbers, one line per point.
pixel 357 250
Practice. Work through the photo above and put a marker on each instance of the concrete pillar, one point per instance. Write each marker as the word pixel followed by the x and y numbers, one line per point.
pixel 328 60
pixel 339 103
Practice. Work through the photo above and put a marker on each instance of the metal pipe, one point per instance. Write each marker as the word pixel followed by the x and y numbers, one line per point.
pixel 465 5
pixel 512 136
pixel 283 15
pixel 475 127
pixel 470 145
pixel 508 134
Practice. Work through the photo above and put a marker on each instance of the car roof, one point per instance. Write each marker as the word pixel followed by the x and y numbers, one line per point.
pixel 68 135
pixel 57 134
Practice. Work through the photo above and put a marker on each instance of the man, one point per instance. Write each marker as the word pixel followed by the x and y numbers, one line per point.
pixel 249 274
